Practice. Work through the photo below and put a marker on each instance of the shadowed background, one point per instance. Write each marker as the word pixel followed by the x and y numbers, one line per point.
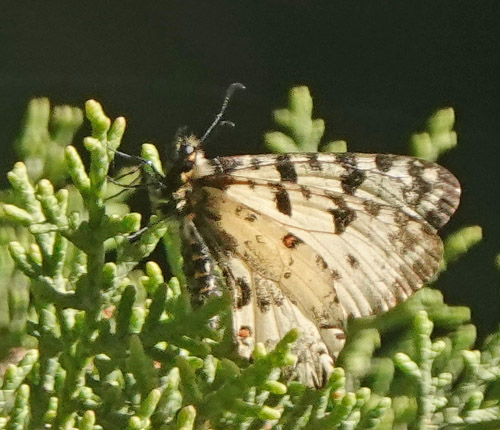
pixel 376 71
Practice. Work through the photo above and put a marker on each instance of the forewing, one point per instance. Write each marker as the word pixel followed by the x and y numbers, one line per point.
pixel 420 188
pixel 375 235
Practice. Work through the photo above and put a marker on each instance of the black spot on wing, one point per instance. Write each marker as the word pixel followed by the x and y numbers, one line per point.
pixel 342 218
pixel 353 177
pixel 264 299
pixel 314 163
pixel 408 240
pixel 251 217
pixel 346 160
pixel 371 207
pixel 286 169
pixel 337 199
pixel 415 168
pixel 282 199
pixel 446 205
pixel 244 294
pixel 351 181
pixel 320 261
pixel 353 261
pixel 255 162
pixel 421 186
pixel 435 219
pixel 384 162
pixel 225 165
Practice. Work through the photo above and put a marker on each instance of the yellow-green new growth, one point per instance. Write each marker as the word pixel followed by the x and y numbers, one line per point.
pixel 438 138
pixel 301 133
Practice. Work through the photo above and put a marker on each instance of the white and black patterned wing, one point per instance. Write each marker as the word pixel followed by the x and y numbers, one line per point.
pixel 309 240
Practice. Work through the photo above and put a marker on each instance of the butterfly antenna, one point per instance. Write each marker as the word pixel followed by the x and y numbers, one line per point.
pixel 229 93
pixel 125 156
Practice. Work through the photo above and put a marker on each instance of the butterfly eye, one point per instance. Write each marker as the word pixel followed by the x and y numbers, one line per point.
pixel 188 149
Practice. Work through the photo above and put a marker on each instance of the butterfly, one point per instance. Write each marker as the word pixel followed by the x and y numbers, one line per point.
pixel 305 240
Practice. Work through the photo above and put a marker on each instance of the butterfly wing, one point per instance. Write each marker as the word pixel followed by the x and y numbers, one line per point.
pixel 309 240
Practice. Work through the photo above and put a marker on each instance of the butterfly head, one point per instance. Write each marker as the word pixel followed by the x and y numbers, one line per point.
pixel 186 151
pixel 185 162
pixel 187 154
pixel 170 192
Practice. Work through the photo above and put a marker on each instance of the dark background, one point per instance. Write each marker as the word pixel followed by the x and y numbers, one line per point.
pixel 376 71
